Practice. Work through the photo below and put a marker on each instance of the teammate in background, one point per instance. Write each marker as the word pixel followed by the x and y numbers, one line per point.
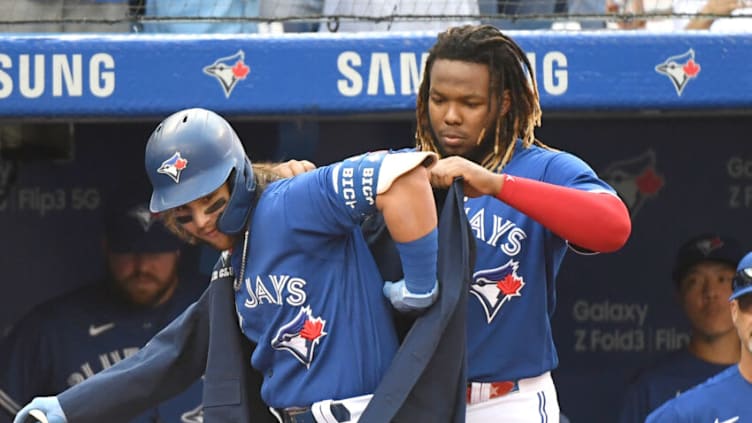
pixel 726 396
pixel 477 108
pixel 721 15
pixel 446 14
pixel 56 16
pixel 306 285
pixel 702 275
pixel 527 13
pixel 232 11
pixel 66 340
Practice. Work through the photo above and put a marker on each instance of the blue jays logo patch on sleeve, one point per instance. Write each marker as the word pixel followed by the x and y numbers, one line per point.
pixel 494 287
pixel 301 335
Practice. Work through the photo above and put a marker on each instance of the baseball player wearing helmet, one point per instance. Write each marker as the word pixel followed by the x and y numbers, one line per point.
pixel 69 339
pixel 477 108
pixel 308 293
pixel 724 398
pixel 703 270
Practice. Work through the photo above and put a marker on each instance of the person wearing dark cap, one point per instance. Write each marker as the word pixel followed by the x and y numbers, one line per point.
pixel 724 398
pixel 69 339
pixel 703 272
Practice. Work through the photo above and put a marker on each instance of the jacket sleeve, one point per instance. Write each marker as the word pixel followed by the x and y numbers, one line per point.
pixel 426 381
pixel 169 363
pixel 232 388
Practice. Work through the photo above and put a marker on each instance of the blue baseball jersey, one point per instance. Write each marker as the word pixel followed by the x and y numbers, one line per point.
pixel 724 398
pixel 66 340
pixel 513 293
pixel 664 380
pixel 311 294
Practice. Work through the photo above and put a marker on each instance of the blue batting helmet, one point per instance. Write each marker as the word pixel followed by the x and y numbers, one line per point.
pixel 190 155
pixel 743 280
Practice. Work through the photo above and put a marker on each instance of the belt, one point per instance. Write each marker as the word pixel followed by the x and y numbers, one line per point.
pixel 305 415
pixel 485 391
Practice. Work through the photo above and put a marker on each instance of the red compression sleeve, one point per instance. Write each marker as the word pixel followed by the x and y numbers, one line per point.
pixel 596 221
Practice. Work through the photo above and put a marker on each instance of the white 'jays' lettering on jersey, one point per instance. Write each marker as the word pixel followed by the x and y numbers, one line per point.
pixel 312 293
pixel 281 289
pixel 517 261
pixel 502 233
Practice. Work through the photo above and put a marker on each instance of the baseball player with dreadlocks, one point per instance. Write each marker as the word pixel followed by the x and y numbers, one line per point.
pixel 477 109
pixel 308 293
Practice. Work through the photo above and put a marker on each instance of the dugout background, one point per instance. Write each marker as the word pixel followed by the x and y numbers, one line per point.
pixel 681 170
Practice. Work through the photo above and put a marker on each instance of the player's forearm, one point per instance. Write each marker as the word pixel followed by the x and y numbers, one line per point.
pixel 410 215
pixel 170 362
pixel 596 221
pixel 408 206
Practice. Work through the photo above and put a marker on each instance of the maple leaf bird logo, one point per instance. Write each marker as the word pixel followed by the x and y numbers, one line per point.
pixel 680 69
pixel 228 71
pixel 636 179
pixel 143 216
pixel 173 167
pixel 707 246
pixel 494 287
pixel 301 335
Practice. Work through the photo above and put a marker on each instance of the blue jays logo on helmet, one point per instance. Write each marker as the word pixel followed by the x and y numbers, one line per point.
pixel 173 166
pixel 301 335
pixel 494 287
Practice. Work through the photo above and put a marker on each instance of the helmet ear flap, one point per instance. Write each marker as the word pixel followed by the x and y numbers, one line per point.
pixel 235 216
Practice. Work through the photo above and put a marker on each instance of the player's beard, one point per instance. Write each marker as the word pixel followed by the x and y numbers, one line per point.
pixel 476 154
pixel 156 292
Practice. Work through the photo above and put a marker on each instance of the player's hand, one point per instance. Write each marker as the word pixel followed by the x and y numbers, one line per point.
pixel 477 179
pixel 49 407
pixel 292 168
pixel 405 301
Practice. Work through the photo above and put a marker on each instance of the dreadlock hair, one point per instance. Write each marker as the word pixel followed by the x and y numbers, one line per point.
pixel 263 173
pixel 510 71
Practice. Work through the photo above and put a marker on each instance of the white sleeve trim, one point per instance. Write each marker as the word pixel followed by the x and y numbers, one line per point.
pixel 395 165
